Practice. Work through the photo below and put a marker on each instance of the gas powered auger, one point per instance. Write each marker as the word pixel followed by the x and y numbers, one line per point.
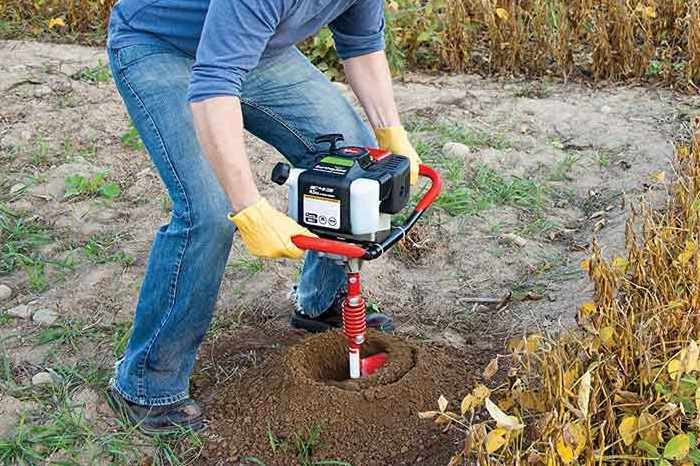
pixel 347 198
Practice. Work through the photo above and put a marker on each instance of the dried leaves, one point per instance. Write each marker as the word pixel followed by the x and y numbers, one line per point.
pixel 626 383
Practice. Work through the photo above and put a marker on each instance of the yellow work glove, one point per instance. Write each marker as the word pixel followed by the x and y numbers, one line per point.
pixel 267 232
pixel 395 139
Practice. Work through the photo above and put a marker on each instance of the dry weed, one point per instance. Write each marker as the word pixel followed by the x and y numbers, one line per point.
pixel 605 39
pixel 623 387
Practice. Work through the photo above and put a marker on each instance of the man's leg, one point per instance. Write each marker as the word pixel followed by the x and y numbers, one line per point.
pixel 188 255
pixel 288 103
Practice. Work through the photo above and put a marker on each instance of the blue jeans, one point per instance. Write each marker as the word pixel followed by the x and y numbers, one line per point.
pixel 286 102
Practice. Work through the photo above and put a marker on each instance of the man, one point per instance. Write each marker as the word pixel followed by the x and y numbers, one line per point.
pixel 193 74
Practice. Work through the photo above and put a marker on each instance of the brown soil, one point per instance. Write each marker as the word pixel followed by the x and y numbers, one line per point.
pixel 371 421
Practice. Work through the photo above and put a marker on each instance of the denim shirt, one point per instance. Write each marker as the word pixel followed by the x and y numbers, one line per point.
pixel 228 37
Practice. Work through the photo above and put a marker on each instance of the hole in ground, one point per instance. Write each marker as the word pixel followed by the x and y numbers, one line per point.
pixel 323 359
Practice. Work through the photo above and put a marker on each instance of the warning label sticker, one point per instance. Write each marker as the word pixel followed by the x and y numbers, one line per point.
pixel 322 211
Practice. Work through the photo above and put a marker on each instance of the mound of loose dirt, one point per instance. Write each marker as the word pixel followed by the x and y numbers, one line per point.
pixel 372 421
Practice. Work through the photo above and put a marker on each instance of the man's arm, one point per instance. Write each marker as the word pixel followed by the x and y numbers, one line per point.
pixel 370 79
pixel 219 125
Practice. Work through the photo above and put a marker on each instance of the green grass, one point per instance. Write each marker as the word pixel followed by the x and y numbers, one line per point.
pixel 489 189
pixel 40 152
pixel 248 265
pixel 36 275
pixel 302 445
pixel 440 132
pixel 120 337
pixel 177 449
pixel 537 227
pixel 94 74
pixel 103 249
pixel 131 139
pixel 20 239
pixel 71 150
pixel 96 185
pixel 68 333
pixel 562 168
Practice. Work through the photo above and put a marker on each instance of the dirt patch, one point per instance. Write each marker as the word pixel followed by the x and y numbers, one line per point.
pixel 372 421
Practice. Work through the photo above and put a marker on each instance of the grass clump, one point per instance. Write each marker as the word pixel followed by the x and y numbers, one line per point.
pixel 624 386
pixel 103 249
pixel 20 239
pixel 97 185
pixel 487 189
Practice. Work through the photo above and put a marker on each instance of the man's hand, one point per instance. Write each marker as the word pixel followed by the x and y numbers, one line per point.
pixel 370 79
pixel 395 139
pixel 267 232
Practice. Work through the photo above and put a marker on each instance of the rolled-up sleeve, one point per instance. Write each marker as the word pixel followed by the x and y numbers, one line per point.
pixel 360 29
pixel 234 36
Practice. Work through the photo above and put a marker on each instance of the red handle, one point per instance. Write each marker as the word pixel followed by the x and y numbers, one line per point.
pixel 329 246
pixel 341 248
pixel 435 187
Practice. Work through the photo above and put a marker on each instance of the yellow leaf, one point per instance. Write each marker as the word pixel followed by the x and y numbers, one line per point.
pixel 481 392
pixel 534 341
pixel 442 403
pixel 587 309
pixel 56 22
pixel 649 428
pixel 506 403
pixel 688 253
pixel 586 265
pixel 571 442
pixel 428 414
pixel 502 13
pixel 516 344
pixel 677 448
pixel 607 335
pixel 469 403
pixel 659 177
pixel 628 429
pixel 650 12
pixel 531 401
pixel 584 393
pixel 496 439
pixel 501 418
pixel 683 151
pixel 570 377
pixel 620 264
pixel 675 369
pixel 491 369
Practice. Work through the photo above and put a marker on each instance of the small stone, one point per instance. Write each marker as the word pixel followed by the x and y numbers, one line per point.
pixel 21 312
pixel 454 339
pixel 515 239
pixel 5 292
pixel 456 149
pixel 45 317
pixel 43 378
pixel 15 188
